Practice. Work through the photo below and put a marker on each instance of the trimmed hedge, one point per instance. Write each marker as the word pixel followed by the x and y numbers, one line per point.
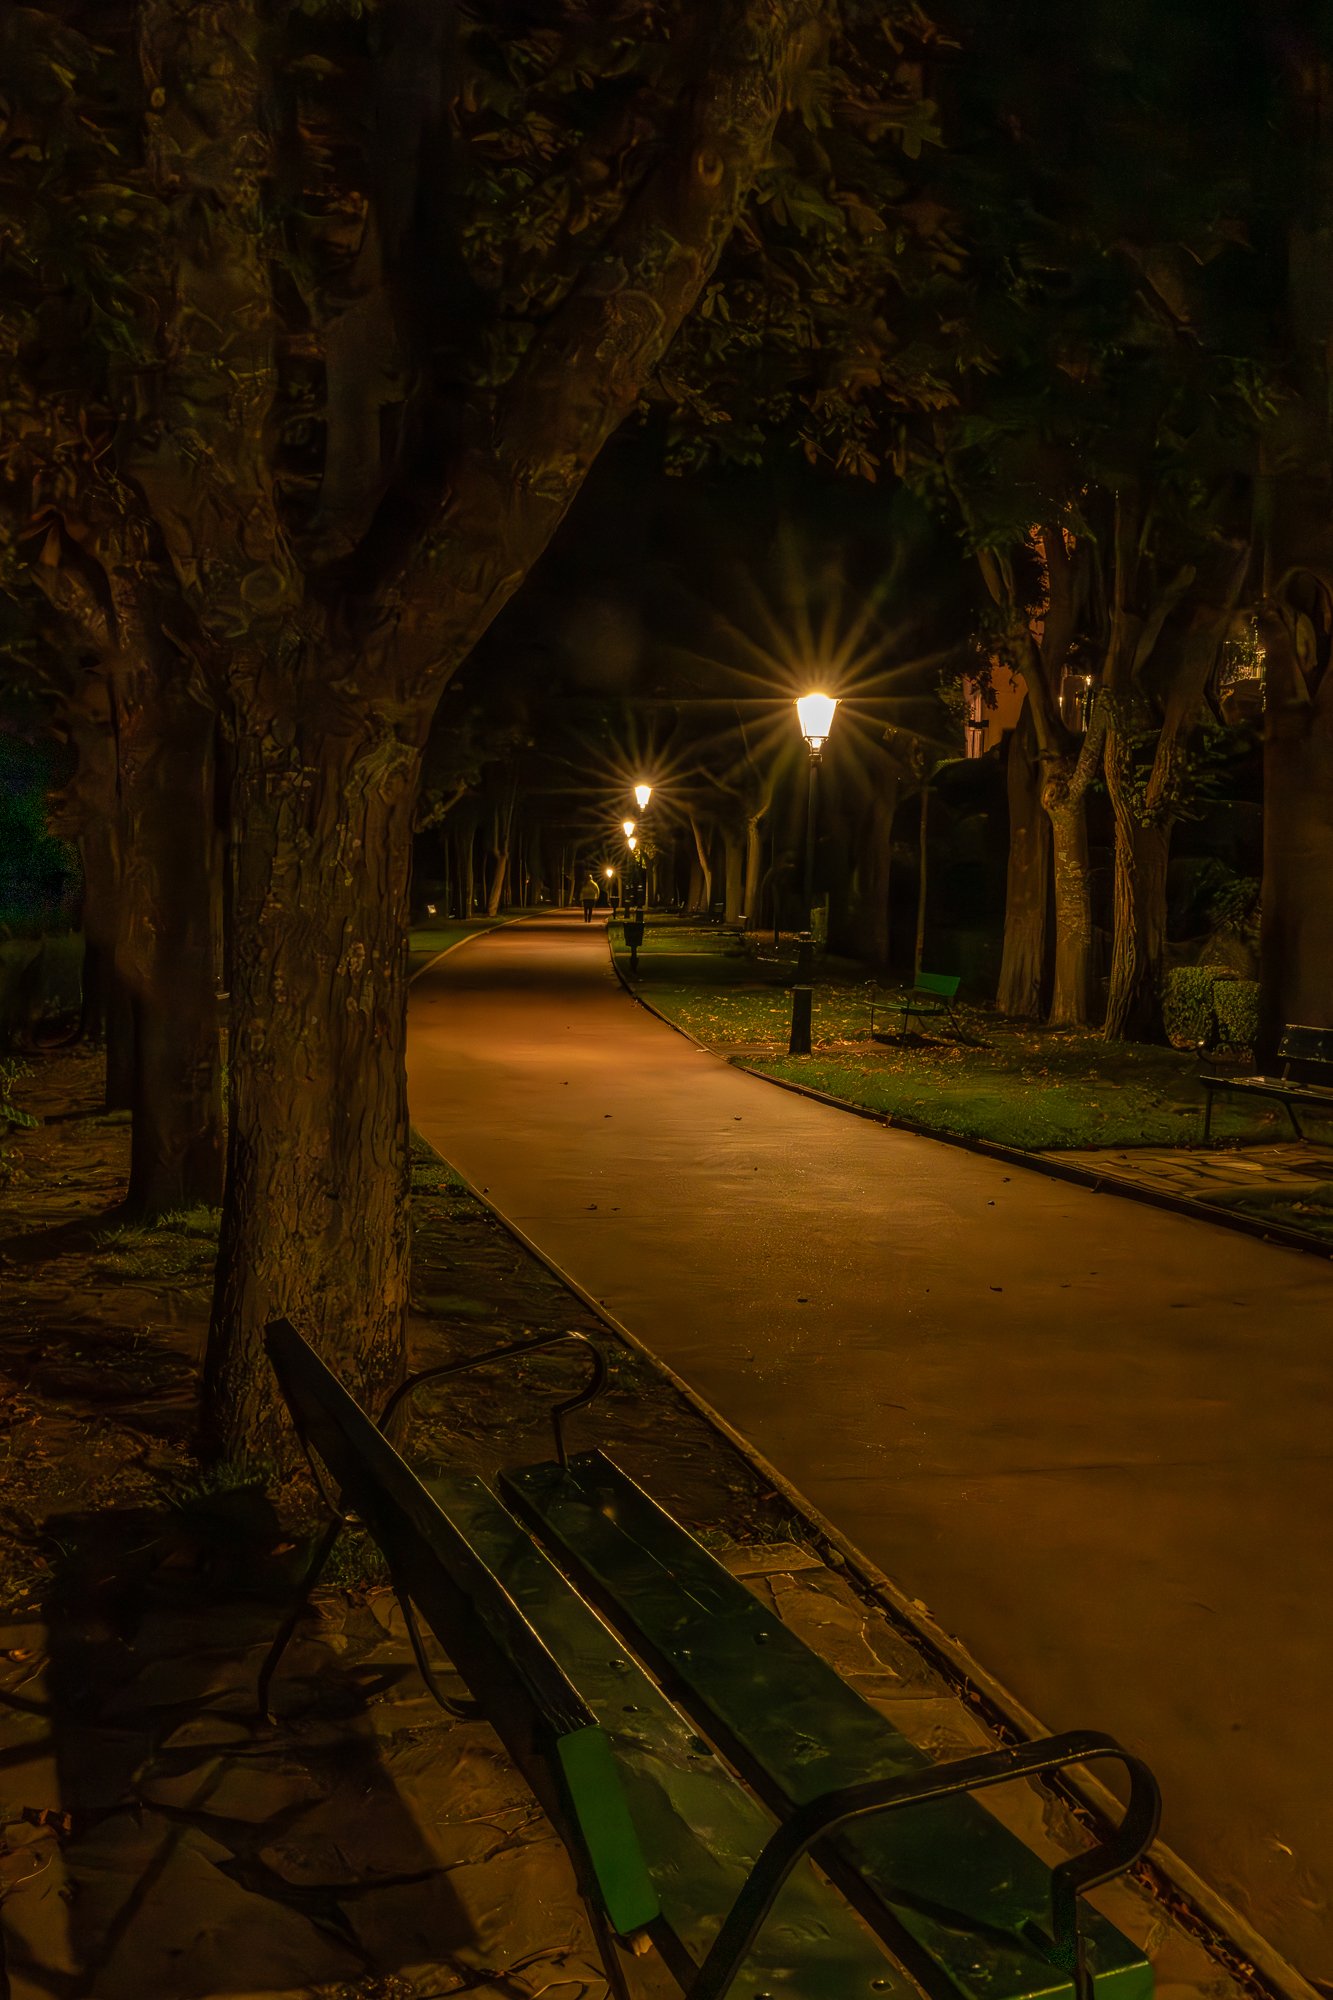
pixel 1206 1003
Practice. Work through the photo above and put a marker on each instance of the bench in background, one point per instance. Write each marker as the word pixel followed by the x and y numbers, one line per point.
pixel 1312 1050
pixel 932 994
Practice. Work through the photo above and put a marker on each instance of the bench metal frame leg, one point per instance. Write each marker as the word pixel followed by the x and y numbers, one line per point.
pixel 823 1816
pixel 285 1633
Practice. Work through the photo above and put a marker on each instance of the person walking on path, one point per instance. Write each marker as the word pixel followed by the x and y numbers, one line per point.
pixel 588 896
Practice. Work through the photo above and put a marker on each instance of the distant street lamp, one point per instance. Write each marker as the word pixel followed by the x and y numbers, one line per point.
pixel 628 825
pixel 642 794
pixel 632 844
pixel 815 713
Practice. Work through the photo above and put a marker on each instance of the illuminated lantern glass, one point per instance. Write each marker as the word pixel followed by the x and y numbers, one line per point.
pixel 816 717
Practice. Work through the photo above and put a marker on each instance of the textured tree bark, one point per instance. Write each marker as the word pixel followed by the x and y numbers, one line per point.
pixel 1296 931
pixel 315 1226
pixel 168 946
pixel 495 891
pixel 752 894
pixel 702 898
pixel 1072 999
pixel 733 848
pixel 1142 851
pixel 467 866
pixel 1028 879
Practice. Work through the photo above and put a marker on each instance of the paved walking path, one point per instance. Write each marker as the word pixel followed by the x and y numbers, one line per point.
pixel 1093 1437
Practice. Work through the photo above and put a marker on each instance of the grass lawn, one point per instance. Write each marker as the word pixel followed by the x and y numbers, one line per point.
pixel 427 941
pixel 1037 1088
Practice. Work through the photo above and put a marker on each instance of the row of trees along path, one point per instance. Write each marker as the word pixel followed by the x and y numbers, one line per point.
pixel 314 319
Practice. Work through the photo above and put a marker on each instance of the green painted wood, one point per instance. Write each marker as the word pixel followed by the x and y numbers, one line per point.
pixel 945 984
pixel 588 1765
pixel 699 1829
pixel 965 1901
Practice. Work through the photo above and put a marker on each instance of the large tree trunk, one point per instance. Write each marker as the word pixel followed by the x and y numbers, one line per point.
pixel 1142 850
pixel 1028 878
pixel 1072 999
pixel 705 883
pixel 752 894
pixel 495 891
pixel 168 949
pixel 1296 934
pixel 315 1227
pixel 467 868
pixel 733 848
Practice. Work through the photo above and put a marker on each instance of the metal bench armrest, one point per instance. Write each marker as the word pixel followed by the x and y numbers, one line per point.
pixel 1070 1879
pixel 596 1383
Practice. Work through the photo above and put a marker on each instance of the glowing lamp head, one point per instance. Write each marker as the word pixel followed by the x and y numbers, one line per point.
pixel 633 844
pixel 815 713
pixel 430 909
pixel 608 872
pixel 642 794
pixel 628 825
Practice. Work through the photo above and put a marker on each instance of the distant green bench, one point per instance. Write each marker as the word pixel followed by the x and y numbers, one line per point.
pixel 1312 1048
pixel 931 994
pixel 670 1846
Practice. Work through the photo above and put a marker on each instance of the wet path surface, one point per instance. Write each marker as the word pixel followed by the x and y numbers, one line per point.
pixel 1092 1437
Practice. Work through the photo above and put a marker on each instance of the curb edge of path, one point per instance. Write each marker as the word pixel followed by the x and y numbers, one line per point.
pixel 1175 1883
pixel 500 924
pixel 1276 1235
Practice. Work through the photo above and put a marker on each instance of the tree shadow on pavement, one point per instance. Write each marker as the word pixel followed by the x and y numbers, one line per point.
pixel 158 1838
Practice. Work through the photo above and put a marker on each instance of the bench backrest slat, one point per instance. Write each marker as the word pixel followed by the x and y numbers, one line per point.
pixel 1306 1045
pixel 944 984
pixel 417 1537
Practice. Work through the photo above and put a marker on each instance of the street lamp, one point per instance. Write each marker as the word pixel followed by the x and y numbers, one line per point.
pixel 815 714
pixel 629 826
pixel 642 794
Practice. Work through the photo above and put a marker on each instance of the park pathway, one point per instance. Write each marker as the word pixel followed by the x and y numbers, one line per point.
pixel 1094 1438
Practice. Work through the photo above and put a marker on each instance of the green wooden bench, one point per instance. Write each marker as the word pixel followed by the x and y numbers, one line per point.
pixel 931 994
pixel 616 1697
pixel 1312 1049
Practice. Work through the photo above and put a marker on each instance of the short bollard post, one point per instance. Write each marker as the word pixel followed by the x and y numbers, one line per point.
pixel 802 998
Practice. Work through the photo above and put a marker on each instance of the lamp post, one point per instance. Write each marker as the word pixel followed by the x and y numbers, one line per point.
pixel 815 714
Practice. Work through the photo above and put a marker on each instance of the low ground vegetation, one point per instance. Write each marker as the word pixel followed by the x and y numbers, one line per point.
pixel 1011 1082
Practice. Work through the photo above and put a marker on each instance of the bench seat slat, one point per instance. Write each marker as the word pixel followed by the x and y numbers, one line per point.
pixel 963 1897
pixel 1272 1086
pixel 700 1830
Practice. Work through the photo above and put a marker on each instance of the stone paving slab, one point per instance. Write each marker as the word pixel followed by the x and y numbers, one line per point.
pixel 1211 1174
pixel 367 1848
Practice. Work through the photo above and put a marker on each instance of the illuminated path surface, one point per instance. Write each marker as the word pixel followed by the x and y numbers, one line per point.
pixel 1093 1437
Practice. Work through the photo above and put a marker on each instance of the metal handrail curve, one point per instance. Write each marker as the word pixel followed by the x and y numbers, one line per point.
pixel 584 1397
pixel 1070 1879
